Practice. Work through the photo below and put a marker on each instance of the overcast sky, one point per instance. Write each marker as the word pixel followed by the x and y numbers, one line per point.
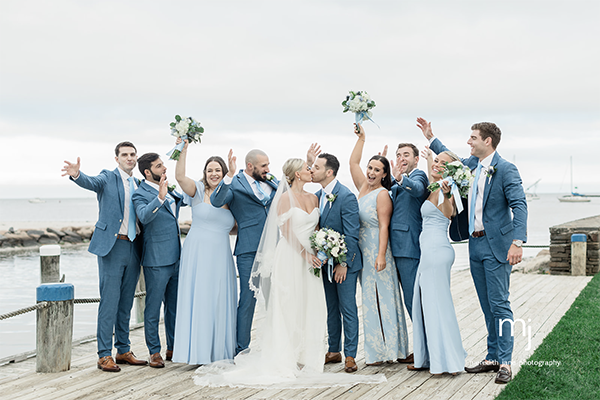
pixel 78 77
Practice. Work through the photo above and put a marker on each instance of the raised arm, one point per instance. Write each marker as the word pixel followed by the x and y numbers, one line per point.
pixel 222 195
pixel 428 155
pixel 358 177
pixel 187 184
pixel 311 155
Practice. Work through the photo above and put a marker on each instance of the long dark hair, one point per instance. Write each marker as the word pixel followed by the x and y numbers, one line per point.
pixel 221 163
pixel 386 181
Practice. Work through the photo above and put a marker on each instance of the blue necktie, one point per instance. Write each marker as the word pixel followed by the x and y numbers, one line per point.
pixel 171 201
pixel 323 201
pixel 131 231
pixel 262 192
pixel 474 200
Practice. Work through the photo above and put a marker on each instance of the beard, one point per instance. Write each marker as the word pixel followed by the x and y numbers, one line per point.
pixel 155 177
pixel 258 177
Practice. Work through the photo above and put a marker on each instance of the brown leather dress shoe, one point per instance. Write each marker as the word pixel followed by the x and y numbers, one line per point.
pixel 408 360
pixel 350 365
pixel 129 358
pixel 156 361
pixel 411 367
pixel 331 358
pixel 483 367
pixel 108 364
pixel 504 376
pixel 169 355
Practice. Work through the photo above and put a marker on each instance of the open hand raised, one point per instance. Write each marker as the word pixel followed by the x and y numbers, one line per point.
pixel 71 169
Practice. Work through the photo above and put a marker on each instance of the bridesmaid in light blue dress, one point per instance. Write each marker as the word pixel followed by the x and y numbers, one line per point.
pixel 207 296
pixel 384 324
pixel 436 334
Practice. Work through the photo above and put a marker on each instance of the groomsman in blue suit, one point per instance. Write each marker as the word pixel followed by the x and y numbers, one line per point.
pixel 157 208
pixel 408 195
pixel 339 211
pixel 497 212
pixel 117 243
pixel 249 195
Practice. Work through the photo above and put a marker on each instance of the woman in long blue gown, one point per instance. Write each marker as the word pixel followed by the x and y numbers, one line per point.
pixel 205 327
pixel 384 324
pixel 436 334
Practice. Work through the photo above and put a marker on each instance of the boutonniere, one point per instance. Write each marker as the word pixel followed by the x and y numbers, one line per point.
pixel 171 188
pixel 270 177
pixel 490 171
pixel 330 198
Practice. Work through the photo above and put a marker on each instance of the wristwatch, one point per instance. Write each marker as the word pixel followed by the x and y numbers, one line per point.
pixel 343 264
pixel 517 242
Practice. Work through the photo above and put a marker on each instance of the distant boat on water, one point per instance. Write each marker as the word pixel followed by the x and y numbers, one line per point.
pixel 37 200
pixel 574 197
pixel 532 196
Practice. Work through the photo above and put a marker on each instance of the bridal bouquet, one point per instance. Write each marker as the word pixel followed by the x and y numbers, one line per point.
pixel 330 245
pixel 184 128
pixel 360 103
pixel 460 180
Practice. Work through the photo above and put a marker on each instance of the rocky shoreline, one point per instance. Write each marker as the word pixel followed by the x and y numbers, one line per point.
pixel 31 238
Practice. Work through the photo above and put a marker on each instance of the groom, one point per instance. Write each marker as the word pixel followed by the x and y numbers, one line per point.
pixel 249 195
pixel 158 210
pixel 497 229
pixel 339 211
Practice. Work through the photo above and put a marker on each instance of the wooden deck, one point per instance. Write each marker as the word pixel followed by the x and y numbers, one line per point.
pixel 540 300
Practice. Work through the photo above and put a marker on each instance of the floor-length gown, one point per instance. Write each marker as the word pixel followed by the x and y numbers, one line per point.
pixel 384 323
pixel 436 335
pixel 207 295
pixel 291 341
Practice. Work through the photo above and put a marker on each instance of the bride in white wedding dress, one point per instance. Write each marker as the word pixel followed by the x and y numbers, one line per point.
pixel 290 343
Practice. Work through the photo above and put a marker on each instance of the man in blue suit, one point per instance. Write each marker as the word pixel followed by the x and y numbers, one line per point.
pixel 117 243
pixel 408 195
pixel 339 211
pixel 497 212
pixel 249 195
pixel 158 210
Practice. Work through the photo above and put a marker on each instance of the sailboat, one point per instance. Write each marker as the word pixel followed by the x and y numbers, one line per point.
pixel 532 196
pixel 574 197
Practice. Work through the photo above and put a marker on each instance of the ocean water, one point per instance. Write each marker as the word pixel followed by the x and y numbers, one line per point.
pixel 21 275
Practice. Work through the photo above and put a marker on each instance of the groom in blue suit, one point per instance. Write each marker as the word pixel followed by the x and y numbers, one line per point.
pixel 158 211
pixel 117 242
pixel 339 211
pixel 249 195
pixel 497 212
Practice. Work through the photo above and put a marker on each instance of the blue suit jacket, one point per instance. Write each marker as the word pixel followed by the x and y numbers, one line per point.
pixel 248 211
pixel 108 186
pixel 503 193
pixel 162 246
pixel 406 223
pixel 341 215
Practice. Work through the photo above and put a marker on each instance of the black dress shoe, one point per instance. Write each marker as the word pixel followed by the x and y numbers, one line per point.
pixel 483 367
pixel 504 375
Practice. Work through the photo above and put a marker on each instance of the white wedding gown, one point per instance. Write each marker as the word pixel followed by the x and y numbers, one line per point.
pixel 290 345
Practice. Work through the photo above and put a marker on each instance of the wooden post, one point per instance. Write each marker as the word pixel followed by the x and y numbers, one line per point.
pixel 50 263
pixel 578 254
pixel 54 334
pixel 140 302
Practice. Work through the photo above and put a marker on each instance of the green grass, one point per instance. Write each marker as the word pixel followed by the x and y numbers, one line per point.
pixel 575 343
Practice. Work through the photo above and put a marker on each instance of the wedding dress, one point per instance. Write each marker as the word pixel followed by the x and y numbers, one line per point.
pixel 290 342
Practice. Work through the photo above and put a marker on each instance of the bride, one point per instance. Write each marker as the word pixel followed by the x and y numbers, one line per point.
pixel 289 344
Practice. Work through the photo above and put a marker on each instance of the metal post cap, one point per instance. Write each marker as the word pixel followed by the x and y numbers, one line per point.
pixel 579 237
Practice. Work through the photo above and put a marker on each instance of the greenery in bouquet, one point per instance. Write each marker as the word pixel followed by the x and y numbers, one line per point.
pixel 455 173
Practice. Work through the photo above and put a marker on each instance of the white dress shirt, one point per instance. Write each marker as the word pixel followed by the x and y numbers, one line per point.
pixel 172 203
pixel 485 164
pixel 124 229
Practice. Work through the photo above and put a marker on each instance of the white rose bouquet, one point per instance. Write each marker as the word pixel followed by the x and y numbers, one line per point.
pixel 360 103
pixel 330 246
pixel 460 180
pixel 184 128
